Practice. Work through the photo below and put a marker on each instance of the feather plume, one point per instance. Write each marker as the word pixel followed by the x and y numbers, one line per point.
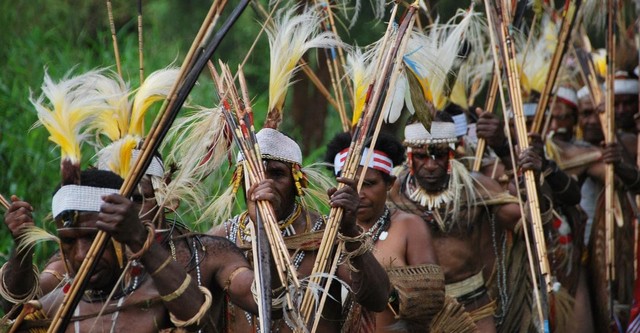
pixel 155 88
pixel 113 123
pixel 118 155
pixel 71 105
pixel 392 114
pixel 434 57
pixel 290 37
pixel 599 58
pixel 34 235
pixel 535 64
pixel 594 13
pixel 359 69
pixel 199 147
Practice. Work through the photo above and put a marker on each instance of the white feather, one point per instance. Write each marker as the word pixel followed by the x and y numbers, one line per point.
pixel 397 96
pixel 290 37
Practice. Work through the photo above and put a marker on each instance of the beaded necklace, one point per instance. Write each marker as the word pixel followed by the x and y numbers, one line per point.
pixel 286 227
pixel 378 230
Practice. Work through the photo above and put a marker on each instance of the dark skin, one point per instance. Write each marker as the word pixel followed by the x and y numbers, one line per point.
pixel 370 283
pixel 459 251
pixel 563 120
pixel 119 217
pixel 495 138
pixel 408 242
pixel 625 108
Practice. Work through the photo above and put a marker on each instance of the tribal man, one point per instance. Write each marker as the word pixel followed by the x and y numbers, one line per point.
pixel 455 205
pixel 367 281
pixel 156 293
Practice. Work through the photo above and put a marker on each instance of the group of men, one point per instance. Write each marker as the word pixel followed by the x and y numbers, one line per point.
pixel 428 244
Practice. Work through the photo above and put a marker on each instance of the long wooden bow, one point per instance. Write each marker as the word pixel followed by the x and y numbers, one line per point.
pixel 201 50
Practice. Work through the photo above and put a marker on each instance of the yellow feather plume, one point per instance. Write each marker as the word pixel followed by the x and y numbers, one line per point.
pixel 70 106
pixel 359 69
pixel 155 88
pixel 290 37
pixel 535 64
pixel 113 123
pixel 118 155
pixel 600 62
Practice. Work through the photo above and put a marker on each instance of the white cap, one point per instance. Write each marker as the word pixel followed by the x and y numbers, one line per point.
pixel 276 146
pixel 624 85
pixel 567 96
pixel 583 93
pixel 441 132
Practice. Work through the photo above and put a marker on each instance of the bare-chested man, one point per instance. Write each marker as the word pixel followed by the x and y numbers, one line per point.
pixel 157 292
pixel 403 243
pixel 455 204
pixel 301 228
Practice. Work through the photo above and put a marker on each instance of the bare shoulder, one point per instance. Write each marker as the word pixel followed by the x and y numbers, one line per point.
pixel 486 182
pixel 409 224
pixel 405 218
pixel 218 230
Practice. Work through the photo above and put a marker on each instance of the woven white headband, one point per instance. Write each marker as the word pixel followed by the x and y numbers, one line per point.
pixel 78 197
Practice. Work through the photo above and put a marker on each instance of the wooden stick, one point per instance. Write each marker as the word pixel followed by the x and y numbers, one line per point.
pixel 370 116
pixel 140 43
pixel 114 38
pixel 169 110
pixel 4 202
pixel 609 136
pixel 510 66
pixel 564 36
pixel 319 85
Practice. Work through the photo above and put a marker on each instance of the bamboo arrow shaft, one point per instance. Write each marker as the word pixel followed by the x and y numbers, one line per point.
pixel 570 14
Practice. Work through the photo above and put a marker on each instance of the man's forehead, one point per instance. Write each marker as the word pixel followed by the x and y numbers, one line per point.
pixel 276 163
pixel 79 219
pixel 427 148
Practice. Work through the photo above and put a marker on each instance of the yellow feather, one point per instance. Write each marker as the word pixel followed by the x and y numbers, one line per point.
pixel 117 156
pixel 66 108
pixel 290 37
pixel 155 88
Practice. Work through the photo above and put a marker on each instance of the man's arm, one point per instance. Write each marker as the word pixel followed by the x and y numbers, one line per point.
pixel 362 272
pixel 19 278
pixel 187 303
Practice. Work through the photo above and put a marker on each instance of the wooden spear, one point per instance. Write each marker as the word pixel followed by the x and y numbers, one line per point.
pixel 168 112
pixel 570 12
pixel 140 43
pixel 114 38
pixel 363 130
pixel 4 202
pixel 609 137
pixel 513 80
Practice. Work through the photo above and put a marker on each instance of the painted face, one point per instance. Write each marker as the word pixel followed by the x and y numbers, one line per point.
pixel 430 164
pixel 373 196
pixel 626 106
pixel 589 121
pixel 562 121
pixel 280 173
pixel 76 242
